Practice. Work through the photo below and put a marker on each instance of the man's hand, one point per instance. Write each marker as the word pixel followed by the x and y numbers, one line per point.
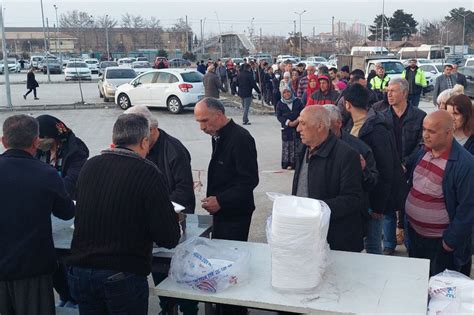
pixel 362 162
pixel 210 204
pixel 447 248
pixel 376 216
pixel 293 123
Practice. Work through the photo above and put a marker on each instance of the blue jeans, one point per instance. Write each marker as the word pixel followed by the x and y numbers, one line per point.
pixel 246 101
pixel 100 292
pixel 373 241
pixel 414 99
pixel 390 230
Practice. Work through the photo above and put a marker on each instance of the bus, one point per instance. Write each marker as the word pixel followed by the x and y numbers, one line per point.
pixel 435 53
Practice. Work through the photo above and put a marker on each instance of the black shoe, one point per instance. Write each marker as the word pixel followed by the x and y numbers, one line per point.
pixel 246 123
pixel 36 98
pixel 388 251
pixel 24 96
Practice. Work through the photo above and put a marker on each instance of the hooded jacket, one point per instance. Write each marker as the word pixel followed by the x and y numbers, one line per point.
pixel 390 191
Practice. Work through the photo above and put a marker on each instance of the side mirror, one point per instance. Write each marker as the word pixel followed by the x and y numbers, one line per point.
pixel 136 83
pixel 469 77
pixel 100 74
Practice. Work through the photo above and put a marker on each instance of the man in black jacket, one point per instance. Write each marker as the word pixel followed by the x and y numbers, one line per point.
pixel 246 83
pixel 329 170
pixel 407 125
pixel 372 128
pixel 30 191
pixel 232 176
pixel 172 159
pixel 122 208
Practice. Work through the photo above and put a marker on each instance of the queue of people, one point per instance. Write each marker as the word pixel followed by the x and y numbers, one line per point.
pixel 390 174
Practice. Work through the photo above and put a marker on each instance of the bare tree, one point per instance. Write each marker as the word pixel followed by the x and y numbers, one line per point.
pixel 74 22
pixel 153 32
pixel 133 24
pixel 350 39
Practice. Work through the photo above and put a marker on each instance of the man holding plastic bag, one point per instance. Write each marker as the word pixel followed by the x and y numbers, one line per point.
pixel 330 170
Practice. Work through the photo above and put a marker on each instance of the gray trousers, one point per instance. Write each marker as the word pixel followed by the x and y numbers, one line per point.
pixel 246 101
pixel 31 296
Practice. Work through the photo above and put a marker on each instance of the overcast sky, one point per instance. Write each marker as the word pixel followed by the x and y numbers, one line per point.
pixel 274 17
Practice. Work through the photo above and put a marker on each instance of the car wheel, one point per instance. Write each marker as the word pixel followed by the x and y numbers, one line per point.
pixel 123 101
pixel 106 99
pixel 174 105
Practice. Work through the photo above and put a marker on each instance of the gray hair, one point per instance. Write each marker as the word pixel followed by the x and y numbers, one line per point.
pixel 214 104
pixel 287 75
pixel 145 112
pixel 333 111
pixel 446 94
pixel 401 82
pixel 130 129
pixel 19 131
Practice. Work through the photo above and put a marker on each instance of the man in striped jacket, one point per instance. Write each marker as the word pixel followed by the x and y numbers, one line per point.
pixel 440 202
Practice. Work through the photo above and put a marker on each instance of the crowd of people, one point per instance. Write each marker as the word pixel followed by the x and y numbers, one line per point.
pixel 390 173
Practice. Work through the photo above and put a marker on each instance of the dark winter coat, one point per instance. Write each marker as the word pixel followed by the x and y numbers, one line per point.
pixel 74 155
pixel 233 171
pixel 469 145
pixel 30 192
pixel 284 113
pixel 390 192
pixel 174 161
pixel 31 82
pixel 320 99
pixel 412 131
pixel 212 85
pixel 335 177
pixel 246 83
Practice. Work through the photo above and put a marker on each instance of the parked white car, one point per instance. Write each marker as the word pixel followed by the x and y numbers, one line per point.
pixel 112 78
pixel 13 65
pixel 77 70
pixel 93 64
pixel 317 59
pixel 141 66
pixel 171 88
pixel 125 62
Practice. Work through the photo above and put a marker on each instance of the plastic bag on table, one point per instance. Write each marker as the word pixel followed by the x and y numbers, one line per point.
pixel 451 292
pixel 306 249
pixel 204 265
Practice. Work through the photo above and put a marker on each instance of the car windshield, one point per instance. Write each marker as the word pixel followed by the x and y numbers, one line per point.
pixel 192 77
pixel 440 68
pixel 393 67
pixel 125 61
pixel 77 65
pixel 121 74
pixel 91 62
pixel 470 63
pixel 104 65
pixel 141 65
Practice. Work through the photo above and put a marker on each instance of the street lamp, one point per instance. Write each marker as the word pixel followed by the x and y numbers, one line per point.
pixel 107 35
pixel 45 47
pixel 58 44
pixel 301 36
pixel 463 30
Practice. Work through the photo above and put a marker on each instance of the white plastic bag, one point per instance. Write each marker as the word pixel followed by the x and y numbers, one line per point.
pixel 297 235
pixel 451 292
pixel 205 265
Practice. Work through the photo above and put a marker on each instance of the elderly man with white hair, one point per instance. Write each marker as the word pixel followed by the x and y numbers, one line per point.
pixel 174 161
pixel 330 170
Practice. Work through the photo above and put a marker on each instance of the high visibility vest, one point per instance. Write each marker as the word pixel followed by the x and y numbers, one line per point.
pixel 420 78
pixel 379 84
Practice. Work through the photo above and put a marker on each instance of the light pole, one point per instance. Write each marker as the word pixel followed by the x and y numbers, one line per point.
pixel 107 35
pixel 220 31
pixel 45 47
pixel 301 36
pixel 5 62
pixel 57 38
pixel 463 30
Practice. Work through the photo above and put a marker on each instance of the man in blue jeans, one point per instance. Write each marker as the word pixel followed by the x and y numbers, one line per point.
pixel 122 208
pixel 407 126
pixel 246 83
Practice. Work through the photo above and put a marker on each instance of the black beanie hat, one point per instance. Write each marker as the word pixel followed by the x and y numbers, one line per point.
pixel 51 127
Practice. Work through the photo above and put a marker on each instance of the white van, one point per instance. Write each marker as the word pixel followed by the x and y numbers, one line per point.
pixel 434 53
pixel 35 61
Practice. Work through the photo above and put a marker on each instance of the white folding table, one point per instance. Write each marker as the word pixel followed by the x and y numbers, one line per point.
pixel 354 283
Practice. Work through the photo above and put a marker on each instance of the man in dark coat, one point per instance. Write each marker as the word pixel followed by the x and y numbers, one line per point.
pixel 232 177
pixel 60 148
pixel 407 125
pixel 460 78
pixel 372 128
pixel 31 84
pixel 245 83
pixel 212 83
pixel 30 192
pixel 329 170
